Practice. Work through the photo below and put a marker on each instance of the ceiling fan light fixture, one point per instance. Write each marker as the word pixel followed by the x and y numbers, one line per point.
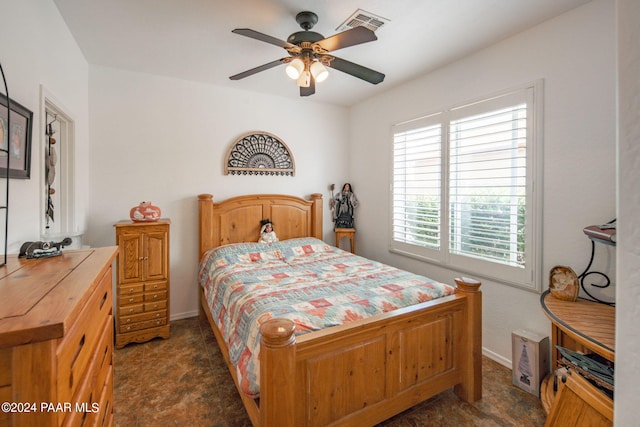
pixel 319 71
pixel 305 79
pixel 308 59
pixel 295 68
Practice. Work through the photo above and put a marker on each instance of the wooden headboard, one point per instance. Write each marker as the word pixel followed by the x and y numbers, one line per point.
pixel 237 220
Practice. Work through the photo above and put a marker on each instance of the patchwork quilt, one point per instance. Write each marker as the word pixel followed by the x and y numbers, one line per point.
pixel 305 280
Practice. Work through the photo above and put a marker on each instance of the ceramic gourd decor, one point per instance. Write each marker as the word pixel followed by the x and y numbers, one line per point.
pixel 144 212
pixel 563 283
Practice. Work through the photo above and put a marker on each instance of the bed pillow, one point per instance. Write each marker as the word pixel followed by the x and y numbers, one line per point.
pixel 242 253
pixel 304 246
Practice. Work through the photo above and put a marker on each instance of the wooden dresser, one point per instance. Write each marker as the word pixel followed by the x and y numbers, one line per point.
pixel 142 289
pixel 56 340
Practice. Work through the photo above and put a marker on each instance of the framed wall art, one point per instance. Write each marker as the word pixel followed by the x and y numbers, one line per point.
pixel 15 141
pixel 259 153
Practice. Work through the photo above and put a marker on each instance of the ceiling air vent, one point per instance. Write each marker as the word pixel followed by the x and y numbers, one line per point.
pixel 362 18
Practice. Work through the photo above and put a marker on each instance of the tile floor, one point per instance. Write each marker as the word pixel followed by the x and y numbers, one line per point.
pixel 183 381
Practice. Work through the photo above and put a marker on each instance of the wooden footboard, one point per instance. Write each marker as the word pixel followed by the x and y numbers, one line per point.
pixel 367 371
pixel 363 373
pixel 356 374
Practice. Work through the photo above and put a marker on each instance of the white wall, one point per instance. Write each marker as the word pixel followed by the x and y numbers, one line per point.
pixel 37 49
pixel 628 256
pixel 157 128
pixel 164 140
pixel 575 55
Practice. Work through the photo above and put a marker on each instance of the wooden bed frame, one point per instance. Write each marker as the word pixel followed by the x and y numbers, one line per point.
pixel 356 374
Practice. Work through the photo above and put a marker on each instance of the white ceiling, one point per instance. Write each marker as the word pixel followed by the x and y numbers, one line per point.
pixel 192 39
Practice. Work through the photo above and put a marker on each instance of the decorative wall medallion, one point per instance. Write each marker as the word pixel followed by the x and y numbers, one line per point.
pixel 259 153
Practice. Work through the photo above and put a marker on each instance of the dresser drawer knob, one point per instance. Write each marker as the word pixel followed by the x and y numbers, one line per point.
pixel 128 320
pixel 155 296
pixel 130 299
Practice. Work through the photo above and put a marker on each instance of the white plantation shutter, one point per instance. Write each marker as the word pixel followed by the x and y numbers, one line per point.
pixel 487 184
pixel 417 177
pixel 463 182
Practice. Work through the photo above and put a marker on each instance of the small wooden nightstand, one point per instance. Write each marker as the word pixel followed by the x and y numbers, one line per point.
pixel 349 233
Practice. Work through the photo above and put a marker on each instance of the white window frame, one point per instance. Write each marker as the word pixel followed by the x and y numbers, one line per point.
pixel 527 277
pixel 64 183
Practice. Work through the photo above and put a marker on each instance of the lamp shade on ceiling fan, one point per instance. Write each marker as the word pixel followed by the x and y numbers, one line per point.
pixel 319 71
pixel 295 68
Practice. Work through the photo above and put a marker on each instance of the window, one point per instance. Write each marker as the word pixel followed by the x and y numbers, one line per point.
pixel 465 190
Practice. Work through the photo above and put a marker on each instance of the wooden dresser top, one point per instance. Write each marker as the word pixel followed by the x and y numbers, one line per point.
pixel 590 323
pixel 39 298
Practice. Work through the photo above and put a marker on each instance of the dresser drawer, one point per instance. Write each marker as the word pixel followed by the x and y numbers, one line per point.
pixel 124 290
pixel 155 286
pixel 156 305
pixel 103 407
pixel 155 296
pixel 127 310
pixel 86 406
pixel 123 329
pixel 102 391
pixel 76 349
pixel 105 416
pixel 130 299
pixel 125 320
pixel 103 363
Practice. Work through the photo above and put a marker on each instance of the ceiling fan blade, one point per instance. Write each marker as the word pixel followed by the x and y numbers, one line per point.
pixel 306 91
pixel 265 38
pixel 347 38
pixel 258 69
pixel 364 73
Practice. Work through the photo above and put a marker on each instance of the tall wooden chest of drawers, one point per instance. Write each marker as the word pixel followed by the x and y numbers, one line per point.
pixel 56 340
pixel 142 289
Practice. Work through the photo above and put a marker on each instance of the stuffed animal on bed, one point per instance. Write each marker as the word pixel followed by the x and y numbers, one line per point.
pixel 267 235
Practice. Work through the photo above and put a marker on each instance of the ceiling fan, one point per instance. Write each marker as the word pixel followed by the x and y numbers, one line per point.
pixel 309 54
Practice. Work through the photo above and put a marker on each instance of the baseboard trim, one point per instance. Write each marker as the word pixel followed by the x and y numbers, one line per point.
pixel 185 315
pixel 497 358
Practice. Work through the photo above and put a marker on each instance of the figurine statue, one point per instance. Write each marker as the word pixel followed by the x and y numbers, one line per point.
pixel 343 205
pixel 42 249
